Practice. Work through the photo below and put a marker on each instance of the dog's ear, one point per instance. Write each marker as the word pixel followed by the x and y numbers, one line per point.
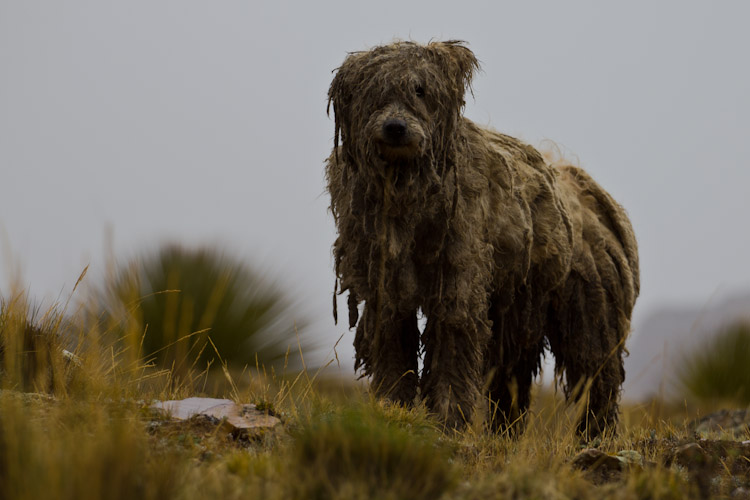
pixel 340 93
pixel 337 88
pixel 347 77
pixel 457 61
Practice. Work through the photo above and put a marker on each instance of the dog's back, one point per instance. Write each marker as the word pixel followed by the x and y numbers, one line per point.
pixel 566 273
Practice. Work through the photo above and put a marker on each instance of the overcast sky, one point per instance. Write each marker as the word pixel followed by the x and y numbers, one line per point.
pixel 204 122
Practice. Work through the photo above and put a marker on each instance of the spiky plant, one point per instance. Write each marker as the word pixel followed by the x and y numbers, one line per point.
pixel 720 368
pixel 31 347
pixel 179 306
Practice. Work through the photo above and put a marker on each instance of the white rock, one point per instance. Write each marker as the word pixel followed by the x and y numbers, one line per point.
pixel 239 417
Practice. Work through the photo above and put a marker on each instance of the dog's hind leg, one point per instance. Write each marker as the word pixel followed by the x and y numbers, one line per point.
pixel 587 339
pixel 590 313
pixel 509 386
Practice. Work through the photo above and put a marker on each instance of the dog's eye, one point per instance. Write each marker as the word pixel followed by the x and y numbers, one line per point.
pixel 419 91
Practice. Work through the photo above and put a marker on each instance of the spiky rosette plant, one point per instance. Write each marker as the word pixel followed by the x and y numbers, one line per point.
pixel 719 369
pixel 180 306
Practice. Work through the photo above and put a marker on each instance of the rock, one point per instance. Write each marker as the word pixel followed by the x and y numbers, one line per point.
pixel 724 424
pixel 183 409
pixel 599 466
pixel 709 462
pixel 72 358
pixel 691 456
pixel 630 457
pixel 26 397
pixel 699 464
pixel 240 419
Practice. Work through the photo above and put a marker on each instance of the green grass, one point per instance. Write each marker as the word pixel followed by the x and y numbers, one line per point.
pixel 80 428
pixel 719 370
pixel 367 450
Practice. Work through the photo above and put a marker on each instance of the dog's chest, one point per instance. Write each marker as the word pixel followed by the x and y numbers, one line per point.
pixel 429 240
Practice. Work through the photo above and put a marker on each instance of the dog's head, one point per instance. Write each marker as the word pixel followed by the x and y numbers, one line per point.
pixel 402 101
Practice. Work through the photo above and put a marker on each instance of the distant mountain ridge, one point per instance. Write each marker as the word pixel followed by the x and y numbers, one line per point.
pixel 659 342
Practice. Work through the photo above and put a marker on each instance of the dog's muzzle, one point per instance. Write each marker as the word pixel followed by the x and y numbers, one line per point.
pixel 395 132
pixel 397 140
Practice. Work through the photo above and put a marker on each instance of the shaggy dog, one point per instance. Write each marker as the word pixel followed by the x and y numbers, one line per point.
pixel 504 254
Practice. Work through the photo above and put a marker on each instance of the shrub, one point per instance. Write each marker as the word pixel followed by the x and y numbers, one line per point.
pixel 168 304
pixel 720 369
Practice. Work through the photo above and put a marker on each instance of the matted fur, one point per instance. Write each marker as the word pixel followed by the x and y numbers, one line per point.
pixel 504 254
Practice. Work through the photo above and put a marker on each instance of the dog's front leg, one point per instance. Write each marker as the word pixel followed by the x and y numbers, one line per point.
pixel 455 336
pixel 389 351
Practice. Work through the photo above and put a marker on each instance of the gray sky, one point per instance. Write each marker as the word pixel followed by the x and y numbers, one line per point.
pixel 205 122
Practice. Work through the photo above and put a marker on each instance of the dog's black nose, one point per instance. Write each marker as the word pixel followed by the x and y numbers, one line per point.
pixel 394 130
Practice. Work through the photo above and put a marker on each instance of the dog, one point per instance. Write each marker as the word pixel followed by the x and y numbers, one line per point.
pixel 504 254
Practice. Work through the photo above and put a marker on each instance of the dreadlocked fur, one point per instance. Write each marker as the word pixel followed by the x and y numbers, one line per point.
pixel 504 254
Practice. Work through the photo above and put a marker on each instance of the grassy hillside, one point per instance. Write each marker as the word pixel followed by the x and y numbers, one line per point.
pixel 75 424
